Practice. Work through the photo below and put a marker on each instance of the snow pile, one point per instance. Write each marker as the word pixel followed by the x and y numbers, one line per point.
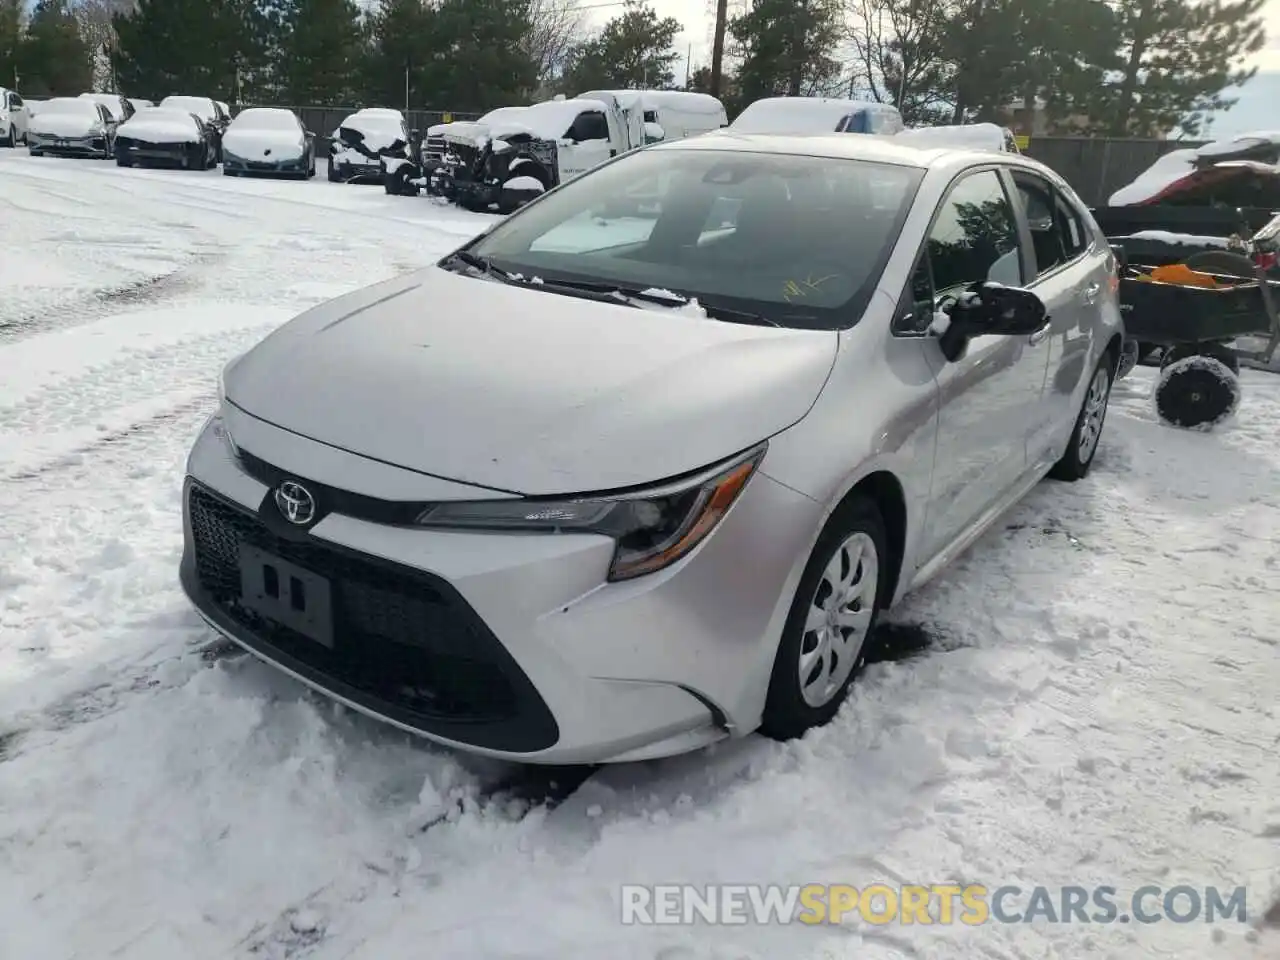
pixel 971 136
pixel 525 183
pixel 1181 239
pixel 1176 164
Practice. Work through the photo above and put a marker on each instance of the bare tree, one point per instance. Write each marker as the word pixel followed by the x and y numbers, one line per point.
pixel 94 18
pixel 557 26
pixel 902 53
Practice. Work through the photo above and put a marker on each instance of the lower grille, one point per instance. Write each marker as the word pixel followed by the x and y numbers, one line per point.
pixel 400 636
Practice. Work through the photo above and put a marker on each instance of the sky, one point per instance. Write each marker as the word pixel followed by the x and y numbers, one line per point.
pixel 1255 109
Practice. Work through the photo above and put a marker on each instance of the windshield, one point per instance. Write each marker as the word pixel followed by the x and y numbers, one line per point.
pixel 265 120
pixel 202 108
pixel 798 240
pixel 85 108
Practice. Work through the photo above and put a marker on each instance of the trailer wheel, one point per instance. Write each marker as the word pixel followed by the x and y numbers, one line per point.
pixel 1130 354
pixel 1196 393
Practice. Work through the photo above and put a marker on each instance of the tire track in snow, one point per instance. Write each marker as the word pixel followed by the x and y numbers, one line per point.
pixel 85 401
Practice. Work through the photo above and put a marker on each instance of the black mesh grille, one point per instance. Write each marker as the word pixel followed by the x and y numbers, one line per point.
pixel 396 636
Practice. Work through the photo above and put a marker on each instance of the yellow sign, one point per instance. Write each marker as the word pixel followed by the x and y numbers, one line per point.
pixel 1022 140
pixel 447 118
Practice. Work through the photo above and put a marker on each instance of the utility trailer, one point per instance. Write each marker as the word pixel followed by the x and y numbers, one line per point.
pixel 1199 325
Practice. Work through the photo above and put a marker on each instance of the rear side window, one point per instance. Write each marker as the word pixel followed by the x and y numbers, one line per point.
pixel 1057 231
pixel 974 238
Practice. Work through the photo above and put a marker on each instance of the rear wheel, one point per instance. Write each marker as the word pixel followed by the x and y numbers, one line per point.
pixel 1075 463
pixel 833 614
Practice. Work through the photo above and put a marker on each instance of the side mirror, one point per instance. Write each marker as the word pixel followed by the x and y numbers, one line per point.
pixel 990 308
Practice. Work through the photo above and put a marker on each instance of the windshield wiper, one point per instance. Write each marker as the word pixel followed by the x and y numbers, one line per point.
pixel 482 263
pixel 665 298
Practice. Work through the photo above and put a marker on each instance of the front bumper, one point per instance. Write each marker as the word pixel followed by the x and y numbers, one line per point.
pixel 92 146
pixel 512 646
pixel 243 165
pixel 157 152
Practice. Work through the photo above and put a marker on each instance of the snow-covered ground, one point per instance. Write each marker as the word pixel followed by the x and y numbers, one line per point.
pixel 1098 705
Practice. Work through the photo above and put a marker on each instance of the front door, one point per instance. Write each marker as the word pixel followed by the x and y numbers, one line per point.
pixel 989 397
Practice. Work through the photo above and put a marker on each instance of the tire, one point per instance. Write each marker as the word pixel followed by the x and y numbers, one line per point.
pixel 228 173
pixel 123 161
pixel 1083 446
pixel 333 173
pixel 1130 354
pixel 399 185
pixel 33 152
pixel 788 712
pixel 12 139
pixel 1196 393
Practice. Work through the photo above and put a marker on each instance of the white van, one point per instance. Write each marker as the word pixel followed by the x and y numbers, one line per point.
pixel 813 115
pixel 668 114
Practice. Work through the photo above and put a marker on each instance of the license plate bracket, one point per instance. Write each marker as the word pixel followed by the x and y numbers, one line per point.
pixel 287 593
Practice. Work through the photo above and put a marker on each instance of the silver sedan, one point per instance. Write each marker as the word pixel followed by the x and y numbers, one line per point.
pixel 638 469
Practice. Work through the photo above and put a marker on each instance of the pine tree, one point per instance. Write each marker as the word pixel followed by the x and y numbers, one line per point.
pixel 10 40
pixel 634 51
pixel 320 49
pixel 54 59
pixel 399 53
pixel 479 58
pixel 211 48
pixel 786 48
pixel 1177 59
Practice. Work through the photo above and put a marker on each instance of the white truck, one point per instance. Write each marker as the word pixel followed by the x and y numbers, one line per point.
pixel 514 154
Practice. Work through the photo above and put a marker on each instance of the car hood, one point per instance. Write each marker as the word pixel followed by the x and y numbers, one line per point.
pixel 525 391
pixel 159 129
pixel 262 144
pixel 62 125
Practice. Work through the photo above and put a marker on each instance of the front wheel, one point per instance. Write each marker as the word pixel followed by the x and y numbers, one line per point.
pixel 12 139
pixel 833 614
pixel 1082 447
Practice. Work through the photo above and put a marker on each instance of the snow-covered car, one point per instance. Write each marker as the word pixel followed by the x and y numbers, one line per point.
pixel 974 136
pixel 599 488
pixel 13 118
pixel 815 115
pixel 139 105
pixel 214 113
pixel 166 136
pixel 72 126
pixel 120 108
pixel 268 140
pixel 357 147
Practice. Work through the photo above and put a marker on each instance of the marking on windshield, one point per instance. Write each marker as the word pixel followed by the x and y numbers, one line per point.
pixel 793 289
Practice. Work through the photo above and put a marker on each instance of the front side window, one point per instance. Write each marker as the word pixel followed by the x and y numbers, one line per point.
pixel 589 126
pixel 975 237
pixel 798 240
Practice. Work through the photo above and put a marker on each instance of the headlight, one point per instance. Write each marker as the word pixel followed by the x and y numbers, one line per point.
pixel 652 528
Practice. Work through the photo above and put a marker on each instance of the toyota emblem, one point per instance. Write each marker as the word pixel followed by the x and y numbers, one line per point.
pixel 295 502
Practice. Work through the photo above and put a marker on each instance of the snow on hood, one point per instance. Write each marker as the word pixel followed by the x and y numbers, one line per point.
pixel 256 144
pixel 529 392
pixel 161 126
pixel 969 136
pixel 61 119
pixel 794 115
pixel 1176 164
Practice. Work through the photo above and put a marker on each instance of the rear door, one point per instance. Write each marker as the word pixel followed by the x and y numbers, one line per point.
pixel 987 398
pixel 1069 275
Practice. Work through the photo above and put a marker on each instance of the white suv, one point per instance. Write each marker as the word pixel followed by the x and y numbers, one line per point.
pixel 13 119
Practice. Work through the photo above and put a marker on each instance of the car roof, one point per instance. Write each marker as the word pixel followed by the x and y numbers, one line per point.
pixel 848 146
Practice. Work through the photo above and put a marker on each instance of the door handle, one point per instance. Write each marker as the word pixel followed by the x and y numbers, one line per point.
pixel 1039 335
pixel 1091 292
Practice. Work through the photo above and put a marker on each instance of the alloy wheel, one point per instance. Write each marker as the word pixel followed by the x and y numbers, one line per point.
pixel 1095 409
